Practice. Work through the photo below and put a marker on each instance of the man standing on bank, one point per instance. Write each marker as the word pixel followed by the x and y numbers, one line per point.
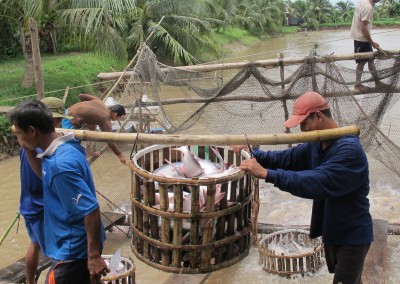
pixel 332 173
pixel 361 33
pixel 74 233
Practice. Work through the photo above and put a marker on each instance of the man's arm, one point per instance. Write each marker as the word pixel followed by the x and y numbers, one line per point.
pixel 86 97
pixel 96 264
pixel 367 35
pixel 106 127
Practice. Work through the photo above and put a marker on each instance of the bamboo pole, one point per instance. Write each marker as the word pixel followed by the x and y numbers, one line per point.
pixel 270 63
pixel 9 228
pixel 37 64
pixel 205 140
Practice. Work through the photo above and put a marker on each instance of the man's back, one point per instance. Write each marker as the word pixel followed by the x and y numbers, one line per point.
pixel 91 112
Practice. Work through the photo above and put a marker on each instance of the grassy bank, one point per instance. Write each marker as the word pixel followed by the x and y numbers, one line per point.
pixel 76 70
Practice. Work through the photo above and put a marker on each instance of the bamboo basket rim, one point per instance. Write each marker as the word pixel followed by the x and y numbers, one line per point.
pixel 186 181
pixel 123 275
pixel 263 250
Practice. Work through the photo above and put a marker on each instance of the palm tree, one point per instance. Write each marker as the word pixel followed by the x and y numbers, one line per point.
pixel 304 12
pixel 180 34
pixel 321 10
pixel 98 25
pixel 345 10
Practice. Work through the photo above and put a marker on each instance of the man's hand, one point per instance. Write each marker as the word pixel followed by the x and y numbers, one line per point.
pixel 97 267
pixel 237 148
pixel 122 158
pixel 254 168
pixel 375 45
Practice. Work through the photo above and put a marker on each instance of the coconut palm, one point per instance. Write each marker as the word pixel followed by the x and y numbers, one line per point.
pixel 303 11
pixel 178 36
pixel 345 10
pixel 321 10
pixel 98 25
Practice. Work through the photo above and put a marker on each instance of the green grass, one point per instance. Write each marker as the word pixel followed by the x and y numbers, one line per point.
pixel 60 71
pixel 235 34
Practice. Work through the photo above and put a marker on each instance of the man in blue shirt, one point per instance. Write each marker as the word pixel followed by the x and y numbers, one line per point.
pixel 31 200
pixel 335 175
pixel 74 233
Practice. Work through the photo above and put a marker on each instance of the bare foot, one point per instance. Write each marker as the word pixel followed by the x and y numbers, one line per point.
pixel 361 88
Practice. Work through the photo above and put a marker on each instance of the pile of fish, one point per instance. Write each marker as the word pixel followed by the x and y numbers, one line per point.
pixel 190 167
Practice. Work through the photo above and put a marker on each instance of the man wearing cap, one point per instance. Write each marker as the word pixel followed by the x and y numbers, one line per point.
pixel 90 112
pixel 31 199
pixel 74 232
pixel 335 175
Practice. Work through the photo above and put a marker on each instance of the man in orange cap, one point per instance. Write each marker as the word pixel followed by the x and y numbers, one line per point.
pixel 335 175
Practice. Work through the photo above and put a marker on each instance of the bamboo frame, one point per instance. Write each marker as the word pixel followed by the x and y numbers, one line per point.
pixel 269 63
pixel 205 140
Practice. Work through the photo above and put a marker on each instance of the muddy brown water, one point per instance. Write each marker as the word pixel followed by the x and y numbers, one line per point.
pixel 111 177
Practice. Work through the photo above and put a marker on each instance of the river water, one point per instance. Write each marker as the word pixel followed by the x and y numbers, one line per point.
pixel 110 174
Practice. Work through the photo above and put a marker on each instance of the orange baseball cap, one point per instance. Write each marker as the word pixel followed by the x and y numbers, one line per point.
pixel 305 104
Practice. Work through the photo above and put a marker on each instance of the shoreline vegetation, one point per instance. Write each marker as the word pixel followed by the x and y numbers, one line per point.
pixel 60 71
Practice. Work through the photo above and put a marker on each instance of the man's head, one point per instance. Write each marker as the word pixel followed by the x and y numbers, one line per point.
pixel 31 118
pixel 117 112
pixel 306 105
pixel 57 108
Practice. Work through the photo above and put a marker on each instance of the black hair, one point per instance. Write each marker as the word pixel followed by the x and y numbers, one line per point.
pixel 32 113
pixel 118 109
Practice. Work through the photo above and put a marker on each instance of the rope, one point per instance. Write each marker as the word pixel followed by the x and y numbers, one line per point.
pixel 55 91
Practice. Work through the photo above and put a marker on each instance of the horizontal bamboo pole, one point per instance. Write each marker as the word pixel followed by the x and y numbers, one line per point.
pixel 221 140
pixel 271 63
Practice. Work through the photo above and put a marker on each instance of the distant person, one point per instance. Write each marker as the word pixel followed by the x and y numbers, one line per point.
pixel 91 112
pixel 335 175
pixel 74 232
pixel 361 33
pixel 31 200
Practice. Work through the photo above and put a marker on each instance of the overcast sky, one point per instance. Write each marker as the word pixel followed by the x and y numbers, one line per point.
pixel 335 1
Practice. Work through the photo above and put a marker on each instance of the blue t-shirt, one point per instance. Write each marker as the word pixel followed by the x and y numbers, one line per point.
pixel 69 195
pixel 31 200
pixel 337 179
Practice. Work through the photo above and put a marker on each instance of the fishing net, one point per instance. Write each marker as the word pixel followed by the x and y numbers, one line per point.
pixel 256 98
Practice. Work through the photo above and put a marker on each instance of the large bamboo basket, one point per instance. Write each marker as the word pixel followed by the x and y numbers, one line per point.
pixel 291 264
pixel 189 242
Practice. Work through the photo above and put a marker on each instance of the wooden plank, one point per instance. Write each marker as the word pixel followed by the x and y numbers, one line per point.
pixel 375 263
pixel 6 109
pixel 15 273
pixel 110 219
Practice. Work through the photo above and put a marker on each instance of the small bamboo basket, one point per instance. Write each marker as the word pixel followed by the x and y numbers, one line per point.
pixel 126 276
pixel 195 241
pixel 293 263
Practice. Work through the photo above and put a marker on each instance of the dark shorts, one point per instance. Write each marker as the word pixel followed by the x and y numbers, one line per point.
pixel 68 272
pixel 362 46
pixel 35 231
pixel 347 262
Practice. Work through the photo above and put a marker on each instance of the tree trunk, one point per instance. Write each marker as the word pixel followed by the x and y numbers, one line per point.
pixel 29 75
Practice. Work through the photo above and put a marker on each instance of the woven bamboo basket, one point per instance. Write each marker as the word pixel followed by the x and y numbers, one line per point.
pixel 195 241
pixel 290 263
pixel 125 272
